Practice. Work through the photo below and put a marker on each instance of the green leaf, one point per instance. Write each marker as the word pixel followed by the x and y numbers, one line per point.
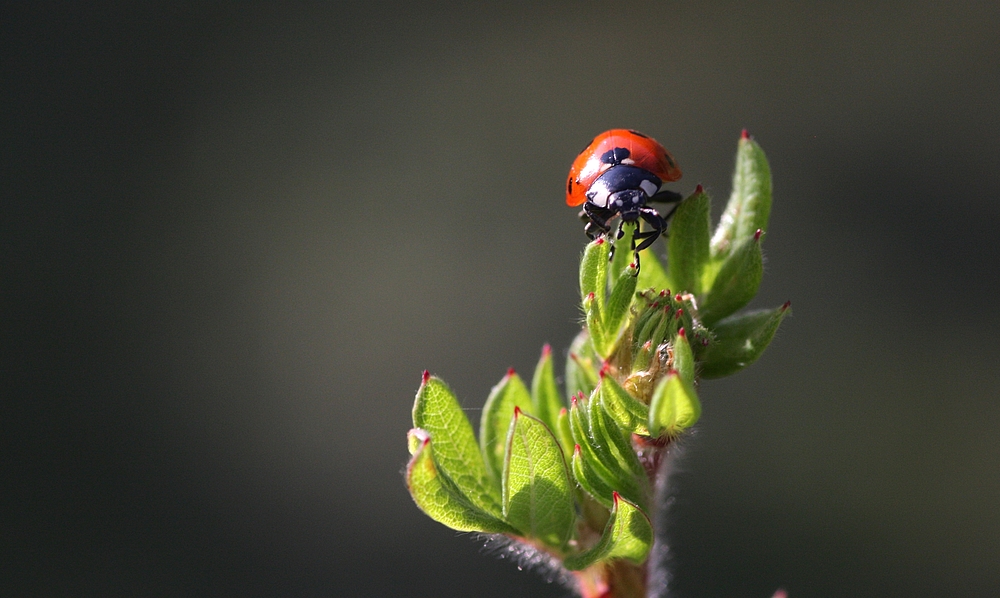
pixel 599 338
pixel 735 283
pixel 740 340
pixel 509 394
pixel 675 406
pixel 621 297
pixel 545 400
pixel 627 411
pixel 594 271
pixel 537 492
pixel 749 205
pixel 439 497
pixel 563 433
pixel 652 275
pixel 592 482
pixel 647 323
pixel 683 357
pixel 605 432
pixel 579 422
pixel 581 366
pixel 457 454
pixel 600 457
pixel 628 535
pixel 687 245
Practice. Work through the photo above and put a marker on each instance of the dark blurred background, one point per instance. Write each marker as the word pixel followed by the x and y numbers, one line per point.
pixel 234 235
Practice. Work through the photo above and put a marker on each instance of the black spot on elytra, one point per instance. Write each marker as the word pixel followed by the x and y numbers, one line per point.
pixel 615 156
pixel 569 186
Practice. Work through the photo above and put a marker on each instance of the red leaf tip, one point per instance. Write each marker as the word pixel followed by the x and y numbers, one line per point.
pixel 599 241
pixel 681 333
pixel 511 372
pixel 680 312
pixel 517 411
pixel 786 305
pixel 615 496
pixel 699 189
pixel 745 134
pixel 604 369
pixel 576 449
pixel 425 377
pixel 756 235
pixel 546 350
pixel 563 411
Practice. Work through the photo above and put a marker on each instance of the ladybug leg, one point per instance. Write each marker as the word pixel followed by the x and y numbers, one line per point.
pixel 589 226
pixel 646 238
pixel 666 197
pixel 658 224
pixel 596 218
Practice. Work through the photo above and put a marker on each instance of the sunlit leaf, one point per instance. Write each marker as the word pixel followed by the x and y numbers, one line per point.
pixel 537 492
pixel 628 535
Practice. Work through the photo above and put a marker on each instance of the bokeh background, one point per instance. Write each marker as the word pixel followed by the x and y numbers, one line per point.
pixel 234 234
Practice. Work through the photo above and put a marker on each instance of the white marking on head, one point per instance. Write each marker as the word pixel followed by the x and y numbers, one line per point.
pixel 649 187
pixel 600 198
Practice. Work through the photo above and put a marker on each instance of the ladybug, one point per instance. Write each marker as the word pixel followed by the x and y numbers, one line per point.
pixel 616 175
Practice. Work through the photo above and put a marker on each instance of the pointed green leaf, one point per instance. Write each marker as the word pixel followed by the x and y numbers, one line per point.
pixel 621 297
pixel 594 271
pixel 735 283
pixel 627 411
pixel 545 399
pixel 749 205
pixel 675 406
pixel 564 434
pixel 663 324
pixel 438 496
pixel 600 457
pixel 537 492
pixel 457 454
pixel 599 337
pixel 740 340
pixel 646 325
pixel 508 394
pixel 580 428
pixel 652 274
pixel 628 535
pixel 605 431
pixel 581 366
pixel 592 483
pixel 683 357
pixel 687 245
